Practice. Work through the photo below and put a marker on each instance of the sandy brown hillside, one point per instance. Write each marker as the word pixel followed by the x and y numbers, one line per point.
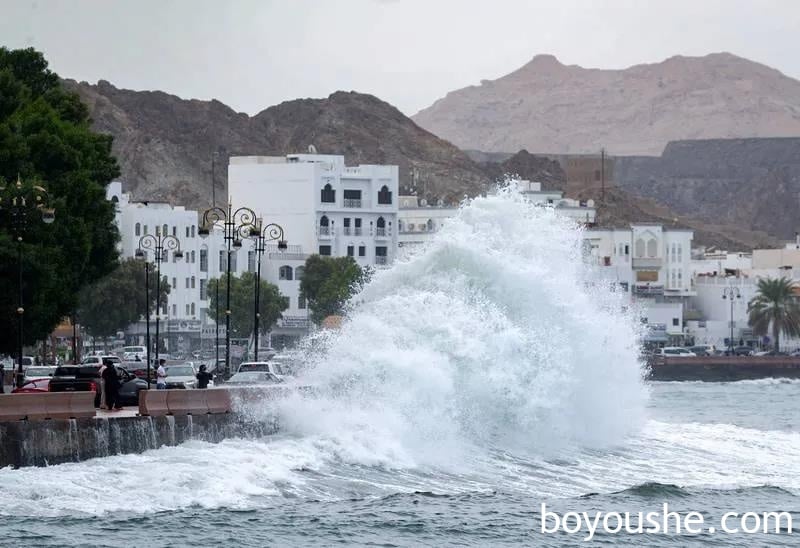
pixel 546 106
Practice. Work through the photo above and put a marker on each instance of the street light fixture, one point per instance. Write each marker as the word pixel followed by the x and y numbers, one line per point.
pixel 161 245
pixel 21 200
pixel 269 233
pixel 733 294
pixel 237 225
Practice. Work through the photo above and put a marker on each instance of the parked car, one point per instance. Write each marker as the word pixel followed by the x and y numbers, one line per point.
pixel 254 378
pixel 83 378
pixel 33 386
pixel 742 351
pixel 36 372
pixel 130 387
pixel 98 360
pixel 181 376
pixel 675 352
pixel 268 367
pixel 769 353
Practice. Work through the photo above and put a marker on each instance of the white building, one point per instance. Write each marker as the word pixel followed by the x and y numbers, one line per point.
pixel 184 317
pixel 417 221
pixel 581 211
pixel 652 264
pixel 324 207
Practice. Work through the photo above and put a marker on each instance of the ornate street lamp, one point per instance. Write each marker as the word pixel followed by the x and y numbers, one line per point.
pixel 161 245
pixel 237 225
pixel 733 294
pixel 269 233
pixel 21 200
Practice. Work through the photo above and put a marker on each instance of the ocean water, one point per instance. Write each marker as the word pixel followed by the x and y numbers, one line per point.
pixel 474 381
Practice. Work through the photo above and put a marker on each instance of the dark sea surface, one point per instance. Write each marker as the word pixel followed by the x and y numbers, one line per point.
pixel 711 448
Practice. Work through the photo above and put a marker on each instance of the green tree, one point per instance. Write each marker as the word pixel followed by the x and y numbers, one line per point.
pixel 118 299
pixel 243 299
pixel 328 283
pixel 45 137
pixel 775 306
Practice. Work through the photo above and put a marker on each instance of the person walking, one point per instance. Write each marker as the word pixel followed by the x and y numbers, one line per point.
pixel 161 375
pixel 98 402
pixel 111 378
pixel 203 377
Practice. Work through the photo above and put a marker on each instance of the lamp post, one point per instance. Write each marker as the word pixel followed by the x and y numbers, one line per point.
pixel 269 233
pixel 161 245
pixel 21 200
pixel 731 293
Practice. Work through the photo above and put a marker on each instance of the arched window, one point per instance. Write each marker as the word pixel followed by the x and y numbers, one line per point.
pixel 652 248
pixel 381 222
pixel 324 226
pixel 384 196
pixel 298 272
pixel 138 229
pixel 400 225
pixel 639 247
pixel 327 194
pixel 430 225
pixel 285 272
pixel 324 221
pixel 164 230
pixel 145 229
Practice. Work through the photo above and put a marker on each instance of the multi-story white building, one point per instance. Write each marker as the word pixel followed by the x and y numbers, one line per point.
pixel 417 222
pixel 581 211
pixel 325 208
pixel 184 316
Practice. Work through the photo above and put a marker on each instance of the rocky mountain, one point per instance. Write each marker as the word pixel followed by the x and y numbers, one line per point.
pixel 549 107
pixel 753 184
pixel 166 144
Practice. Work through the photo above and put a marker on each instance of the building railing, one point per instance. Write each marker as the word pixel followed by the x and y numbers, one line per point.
pixel 649 262
pixel 381 259
pixel 346 230
pixel 295 322
pixel 324 231
pixel 289 256
pixel 358 231
pixel 352 202
pixel 382 232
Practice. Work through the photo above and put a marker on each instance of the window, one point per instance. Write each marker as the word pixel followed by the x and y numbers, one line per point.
pixel 234 256
pixel 285 272
pixel 193 309
pixel 193 257
pixel 222 265
pixel 324 250
pixel 138 229
pixel 174 230
pixel 384 196
pixel 381 224
pixel 298 273
pixel 193 231
pixel 357 231
pixel 652 247
pixel 251 261
pixel 203 260
pixel 174 283
pixel 362 251
pixel 301 301
pixel 327 194
pixel 380 255
pixel 347 230
pixel 324 226
pixel 187 231
pixel 193 280
pixel 164 230
pixel 351 251
pixel 158 230
pixel 639 248
pixel 187 309
pixel 145 229
pixel 174 309
pixel 352 198
pixel 187 283
pixel 676 321
pixel 203 290
pixel 430 225
pixel 286 301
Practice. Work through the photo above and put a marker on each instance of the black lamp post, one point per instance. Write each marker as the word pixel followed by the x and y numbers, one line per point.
pixel 161 245
pixel 269 233
pixel 21 200
pixel 731 293
pixel 237 224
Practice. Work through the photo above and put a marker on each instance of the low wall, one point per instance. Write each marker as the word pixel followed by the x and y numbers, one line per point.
pixel 724 368
pixel 30 435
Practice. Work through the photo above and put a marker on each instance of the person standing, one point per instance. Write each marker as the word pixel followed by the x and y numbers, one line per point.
pixel 111 378
pixel 203 377
pixel 161 375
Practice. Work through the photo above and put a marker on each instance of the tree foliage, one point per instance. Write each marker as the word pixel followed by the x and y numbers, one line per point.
pixel 328 283
pixel 775 307
pixel 45 138
pixel 243 298
pixel 117 300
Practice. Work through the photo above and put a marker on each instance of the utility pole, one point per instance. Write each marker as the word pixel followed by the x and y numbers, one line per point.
pixel 602 174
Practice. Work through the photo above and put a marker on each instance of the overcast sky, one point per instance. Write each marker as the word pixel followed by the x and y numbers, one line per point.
pixel 251 54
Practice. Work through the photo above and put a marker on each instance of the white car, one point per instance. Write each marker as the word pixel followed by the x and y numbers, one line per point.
pixel 181 376
pixel 675 352
pixel 98 360
pixel 267 367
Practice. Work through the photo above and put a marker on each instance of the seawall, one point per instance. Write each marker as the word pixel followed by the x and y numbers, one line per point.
pixel 724 368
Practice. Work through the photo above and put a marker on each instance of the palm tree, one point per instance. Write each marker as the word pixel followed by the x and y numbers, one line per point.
pixel 775 305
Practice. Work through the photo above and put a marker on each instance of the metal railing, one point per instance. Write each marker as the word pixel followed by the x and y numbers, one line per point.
pixel 346 230
pixel 324 231
pixel 381 259
pixel 352 202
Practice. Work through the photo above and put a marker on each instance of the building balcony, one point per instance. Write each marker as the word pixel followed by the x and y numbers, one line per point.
pixel 347 231
pixel 648 290
pixel 352 202
pixel 293 322
pixel 647 263
pixel 358 231
pixel 325 232
pixel 381 260
pixel 383 232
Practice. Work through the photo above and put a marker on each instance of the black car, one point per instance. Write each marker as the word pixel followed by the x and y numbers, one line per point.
pixel 85 378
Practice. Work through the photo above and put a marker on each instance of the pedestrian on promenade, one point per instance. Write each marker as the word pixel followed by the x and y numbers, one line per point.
pixel 161 375
pixel 111 378
pixel 203 377
pixel 98 402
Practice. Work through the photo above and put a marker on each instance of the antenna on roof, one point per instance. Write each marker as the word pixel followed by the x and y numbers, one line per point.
pixel 312 149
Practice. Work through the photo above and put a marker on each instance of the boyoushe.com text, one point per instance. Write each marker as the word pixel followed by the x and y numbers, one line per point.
pixel 665 521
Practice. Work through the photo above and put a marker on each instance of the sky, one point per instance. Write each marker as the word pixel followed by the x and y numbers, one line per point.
pixel 251 54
